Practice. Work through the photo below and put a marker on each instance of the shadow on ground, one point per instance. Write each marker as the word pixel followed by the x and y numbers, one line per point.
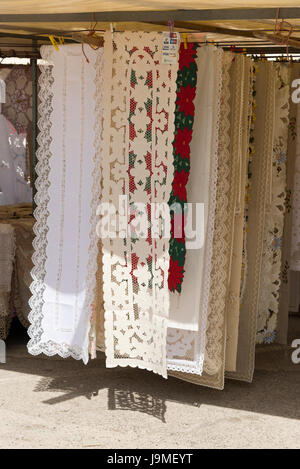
pixel 274 391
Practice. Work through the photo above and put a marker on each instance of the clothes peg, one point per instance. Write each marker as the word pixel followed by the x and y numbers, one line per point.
pixel 185 40
pixel 54 43
pixel 112 31
pixel 61 40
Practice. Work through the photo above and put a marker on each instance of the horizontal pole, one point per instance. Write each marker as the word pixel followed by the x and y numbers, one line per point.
pixel 18 54
pixel 205 28
pixel 253 50
pixel 40 40
pixel 21 36
pixel 160 15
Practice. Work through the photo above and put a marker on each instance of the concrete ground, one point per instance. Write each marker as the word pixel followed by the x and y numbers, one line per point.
pixel 55 403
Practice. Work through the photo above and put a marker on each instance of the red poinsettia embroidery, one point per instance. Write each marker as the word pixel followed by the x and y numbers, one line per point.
pixel 182 142
pixel 184 118
pixel 185 100
pixel 179 183
pixel 186 56
pixel 175 275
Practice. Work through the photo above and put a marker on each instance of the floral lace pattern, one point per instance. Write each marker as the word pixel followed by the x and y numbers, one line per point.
pixel 7 253
pixel 274 217
pixel 251 155
pixel 139 104
pixel 215 347
pixel 18 106
pixel 23 266
pixel 295 237
pixel 263 144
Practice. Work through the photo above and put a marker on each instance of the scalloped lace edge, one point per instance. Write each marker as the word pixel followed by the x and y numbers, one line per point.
pixel 35 317
pixel 196 367
pixel 112 361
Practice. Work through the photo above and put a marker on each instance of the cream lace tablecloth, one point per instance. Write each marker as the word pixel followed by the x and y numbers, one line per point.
pixel 15 264
pixel 23 266
pixel 7 252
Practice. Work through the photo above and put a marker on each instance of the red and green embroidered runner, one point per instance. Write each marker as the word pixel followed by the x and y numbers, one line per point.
pixel 184 119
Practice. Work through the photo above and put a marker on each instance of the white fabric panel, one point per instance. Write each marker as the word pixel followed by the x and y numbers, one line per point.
pixel 65 255
pixel 188 312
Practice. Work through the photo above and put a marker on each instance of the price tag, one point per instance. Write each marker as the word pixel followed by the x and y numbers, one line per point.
pixel 170 47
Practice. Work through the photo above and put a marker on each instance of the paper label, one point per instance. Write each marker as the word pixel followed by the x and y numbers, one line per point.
pixel 170 47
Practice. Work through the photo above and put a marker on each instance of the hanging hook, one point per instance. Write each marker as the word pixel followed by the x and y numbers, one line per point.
pixel 171 26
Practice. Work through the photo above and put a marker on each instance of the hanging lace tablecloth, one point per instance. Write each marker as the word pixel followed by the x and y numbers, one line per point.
pixel 213 368
pixel 260 167
pixel 7 254
pixel 286 289
pixel 241 82
pixel 23 265
pixel 295 240
pixel 18 105
pixel 188 311
pixel 137 160
pixel 18 298
pixel 68 190
pixel 270 277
